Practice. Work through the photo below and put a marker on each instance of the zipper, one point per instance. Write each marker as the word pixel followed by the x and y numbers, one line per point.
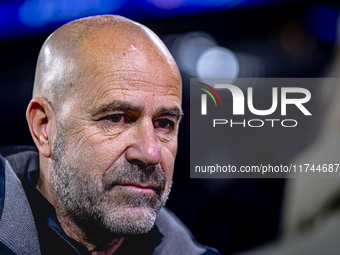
pixel 74 248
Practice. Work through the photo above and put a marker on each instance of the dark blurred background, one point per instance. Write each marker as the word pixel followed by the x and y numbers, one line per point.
pixel 251 38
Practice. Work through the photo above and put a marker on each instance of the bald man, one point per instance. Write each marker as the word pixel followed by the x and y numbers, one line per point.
pixel 104 117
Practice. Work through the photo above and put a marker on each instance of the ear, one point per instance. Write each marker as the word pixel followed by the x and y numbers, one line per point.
pixel 41 118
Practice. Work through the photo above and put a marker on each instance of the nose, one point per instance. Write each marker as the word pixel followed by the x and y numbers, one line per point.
pixel 145 149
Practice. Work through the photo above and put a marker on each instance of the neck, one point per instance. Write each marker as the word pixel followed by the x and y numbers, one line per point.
pixel 97 242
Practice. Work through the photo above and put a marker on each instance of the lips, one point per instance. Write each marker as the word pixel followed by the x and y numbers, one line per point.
pixel 133 177
pixel 139 187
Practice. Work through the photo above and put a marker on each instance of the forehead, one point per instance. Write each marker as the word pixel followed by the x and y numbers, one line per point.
pixel 151 86
pixel 136 68
pixel 137 87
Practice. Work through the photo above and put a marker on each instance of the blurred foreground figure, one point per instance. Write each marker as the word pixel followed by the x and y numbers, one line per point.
pixel 311 208
pixel 104 116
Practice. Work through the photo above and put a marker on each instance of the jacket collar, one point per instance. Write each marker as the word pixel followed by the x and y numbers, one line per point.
pixel 25 163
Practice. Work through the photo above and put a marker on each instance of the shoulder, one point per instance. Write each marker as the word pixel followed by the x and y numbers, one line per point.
pixel 177 237
pixel 18 234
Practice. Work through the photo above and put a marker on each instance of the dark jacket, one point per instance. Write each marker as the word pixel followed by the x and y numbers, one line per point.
pixel 18 232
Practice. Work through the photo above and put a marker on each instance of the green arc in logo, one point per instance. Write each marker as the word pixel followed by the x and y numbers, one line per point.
pixel 209 95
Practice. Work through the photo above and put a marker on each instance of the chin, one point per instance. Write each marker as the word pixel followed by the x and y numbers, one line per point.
pixel 130 220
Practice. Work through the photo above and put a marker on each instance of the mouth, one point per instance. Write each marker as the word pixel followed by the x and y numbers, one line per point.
pixel 138 187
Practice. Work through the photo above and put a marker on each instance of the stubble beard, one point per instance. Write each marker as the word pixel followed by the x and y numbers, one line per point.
pixel 102 206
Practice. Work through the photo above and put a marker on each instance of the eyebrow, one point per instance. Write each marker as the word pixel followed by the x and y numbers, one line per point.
pixel 126 106
pixel 173 111
pixel 115 106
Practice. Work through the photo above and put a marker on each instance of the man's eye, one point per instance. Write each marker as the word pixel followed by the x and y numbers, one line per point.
pixel 118 118
pixel 164 123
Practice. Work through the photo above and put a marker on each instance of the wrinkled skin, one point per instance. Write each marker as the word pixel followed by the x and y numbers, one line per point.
pixel 112 103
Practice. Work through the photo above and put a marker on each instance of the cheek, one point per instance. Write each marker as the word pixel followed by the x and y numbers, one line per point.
pixel 96 152
pixel 168 160
pixel 93 152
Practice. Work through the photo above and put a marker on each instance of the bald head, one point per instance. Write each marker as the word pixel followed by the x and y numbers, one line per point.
pixel 107 99
pixel 75 53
